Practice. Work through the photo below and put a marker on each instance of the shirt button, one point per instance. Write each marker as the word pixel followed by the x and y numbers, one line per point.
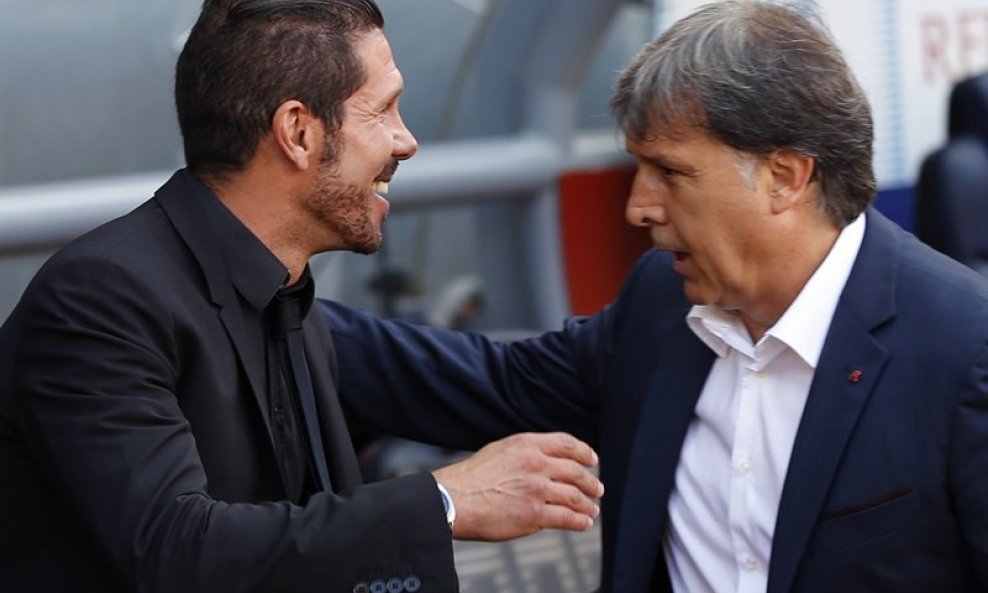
pixel 750 562
pixel 744 467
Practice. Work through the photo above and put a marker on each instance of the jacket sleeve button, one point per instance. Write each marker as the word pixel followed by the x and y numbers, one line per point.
pixel 412 584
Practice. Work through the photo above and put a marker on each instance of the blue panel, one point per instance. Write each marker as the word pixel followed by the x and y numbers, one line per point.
pixel 899 204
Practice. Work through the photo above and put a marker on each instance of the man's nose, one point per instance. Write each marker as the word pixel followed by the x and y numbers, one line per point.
pixel 644 216
pixel 643 207
pixel 405 143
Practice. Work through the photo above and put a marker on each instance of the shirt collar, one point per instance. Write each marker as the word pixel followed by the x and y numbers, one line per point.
pixel 804 325
pixel 720 330
pixel 303 291
pixel 255 272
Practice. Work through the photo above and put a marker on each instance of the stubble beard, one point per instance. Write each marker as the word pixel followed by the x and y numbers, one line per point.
pixel 346 210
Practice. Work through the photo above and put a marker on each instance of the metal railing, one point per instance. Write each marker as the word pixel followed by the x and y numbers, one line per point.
pixel 40 217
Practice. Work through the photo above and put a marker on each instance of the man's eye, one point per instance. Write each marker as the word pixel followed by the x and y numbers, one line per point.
pixel 663 170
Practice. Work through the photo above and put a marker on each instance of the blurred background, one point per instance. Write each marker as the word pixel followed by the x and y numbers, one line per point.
pixel 510 218
pixel 520 177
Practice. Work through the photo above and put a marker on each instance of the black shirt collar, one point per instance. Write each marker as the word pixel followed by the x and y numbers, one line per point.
pixel 255 272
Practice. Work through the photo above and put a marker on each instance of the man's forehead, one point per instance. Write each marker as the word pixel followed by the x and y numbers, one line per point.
pixel 383 79
pixel 374 50
pixel 660 138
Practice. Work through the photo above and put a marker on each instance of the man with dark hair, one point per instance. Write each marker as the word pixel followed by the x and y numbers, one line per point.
pixel 795 396
pixel 162 426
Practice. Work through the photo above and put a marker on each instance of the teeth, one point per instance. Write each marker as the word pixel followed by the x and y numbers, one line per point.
pixel 381 187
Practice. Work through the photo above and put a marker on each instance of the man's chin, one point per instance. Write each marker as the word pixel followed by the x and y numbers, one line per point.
pixel 368 246
pixel 366 249
pixel 696 295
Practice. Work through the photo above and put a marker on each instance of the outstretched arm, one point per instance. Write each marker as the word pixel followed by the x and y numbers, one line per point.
pixel 462 390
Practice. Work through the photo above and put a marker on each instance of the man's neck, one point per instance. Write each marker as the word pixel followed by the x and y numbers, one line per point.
pixel 267 213
pixel 785 273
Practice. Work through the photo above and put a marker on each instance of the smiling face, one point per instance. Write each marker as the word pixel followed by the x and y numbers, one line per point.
pixel 346 193
pixel 708 204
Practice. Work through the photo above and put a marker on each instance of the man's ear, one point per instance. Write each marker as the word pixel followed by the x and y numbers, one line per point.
pixel 791 176
pixel 296 132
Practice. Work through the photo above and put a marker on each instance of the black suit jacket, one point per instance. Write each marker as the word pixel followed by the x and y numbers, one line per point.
pixel 135 450
pixel 887 486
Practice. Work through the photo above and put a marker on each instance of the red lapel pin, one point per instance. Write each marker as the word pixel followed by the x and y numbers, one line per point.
pixel 855 376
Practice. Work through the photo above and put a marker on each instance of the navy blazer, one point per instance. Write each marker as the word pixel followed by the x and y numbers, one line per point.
pixel 887 487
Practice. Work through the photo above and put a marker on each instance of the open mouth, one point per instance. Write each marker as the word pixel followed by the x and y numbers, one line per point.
pixel 384 179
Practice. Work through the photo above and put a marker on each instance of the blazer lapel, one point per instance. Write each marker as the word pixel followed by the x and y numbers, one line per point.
pixel 845 378
pixel 343 466
pixel 245 331
pixel 179 199
pixel 846 375
pixel 665 417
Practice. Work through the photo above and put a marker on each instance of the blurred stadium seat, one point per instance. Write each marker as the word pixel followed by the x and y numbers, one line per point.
pixel 952 190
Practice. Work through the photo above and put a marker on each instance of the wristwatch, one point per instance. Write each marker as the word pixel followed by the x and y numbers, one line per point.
pixel 448 505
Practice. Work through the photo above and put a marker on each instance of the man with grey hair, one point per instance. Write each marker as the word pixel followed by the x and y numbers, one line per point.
pixel 794 397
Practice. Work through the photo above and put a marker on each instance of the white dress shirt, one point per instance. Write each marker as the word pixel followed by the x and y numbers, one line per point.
pixel 724 503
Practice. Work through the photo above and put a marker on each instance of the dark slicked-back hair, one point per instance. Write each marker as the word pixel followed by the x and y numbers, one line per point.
pixel 244 58
pixel 758 76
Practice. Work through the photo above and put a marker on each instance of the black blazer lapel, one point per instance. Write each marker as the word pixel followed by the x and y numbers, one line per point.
pixel 321 357
pixel 180 200
pixel 849 367
pixel 244 330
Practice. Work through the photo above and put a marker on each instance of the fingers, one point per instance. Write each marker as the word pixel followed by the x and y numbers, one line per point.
pixel 521 484
pixel 570 472
pixel 567 460
pixel 567 498
pixel 560 444
pixel 557 517
pixel 558 456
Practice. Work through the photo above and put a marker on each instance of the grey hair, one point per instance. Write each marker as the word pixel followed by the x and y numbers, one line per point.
pixel 759 76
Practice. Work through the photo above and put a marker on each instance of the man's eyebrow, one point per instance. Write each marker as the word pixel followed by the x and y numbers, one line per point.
pixel 656 159
pixel 392 96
